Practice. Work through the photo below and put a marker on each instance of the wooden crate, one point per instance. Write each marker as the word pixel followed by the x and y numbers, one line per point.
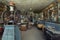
pixel 23 28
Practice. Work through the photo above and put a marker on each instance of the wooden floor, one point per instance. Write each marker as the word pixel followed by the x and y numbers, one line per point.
pixel 33 34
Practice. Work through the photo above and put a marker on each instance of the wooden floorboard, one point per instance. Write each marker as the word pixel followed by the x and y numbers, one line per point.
pixel 33 34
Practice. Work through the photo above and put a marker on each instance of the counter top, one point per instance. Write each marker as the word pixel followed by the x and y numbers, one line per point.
pixel 53 31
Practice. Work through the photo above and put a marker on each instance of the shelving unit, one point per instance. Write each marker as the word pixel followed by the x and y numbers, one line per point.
pixel 50 12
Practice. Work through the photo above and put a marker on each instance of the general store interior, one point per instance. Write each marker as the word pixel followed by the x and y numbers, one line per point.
pixel 29 19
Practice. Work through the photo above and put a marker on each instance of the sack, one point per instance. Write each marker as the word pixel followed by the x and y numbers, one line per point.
pixel 40 25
